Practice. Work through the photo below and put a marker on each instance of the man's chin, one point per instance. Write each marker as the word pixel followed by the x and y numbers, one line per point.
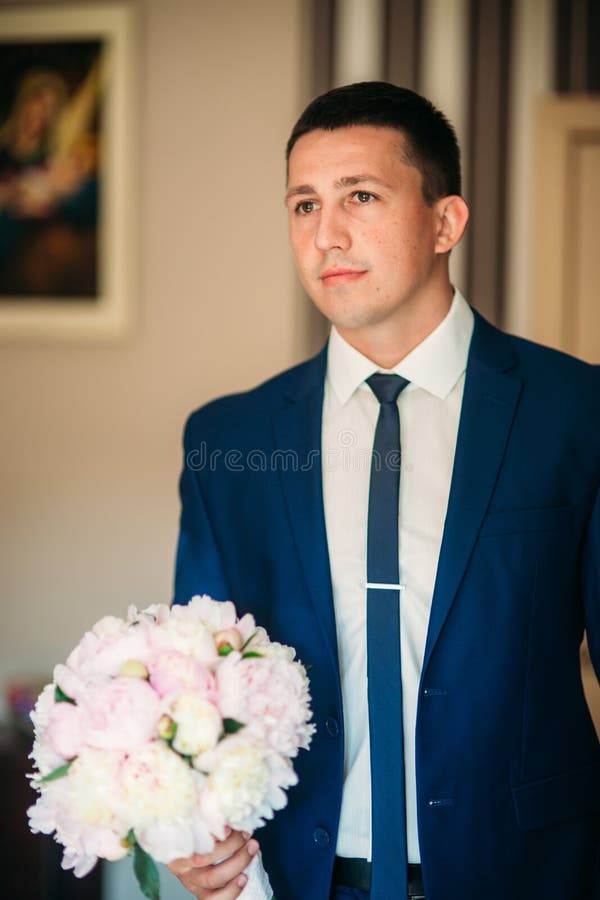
pixel 344 310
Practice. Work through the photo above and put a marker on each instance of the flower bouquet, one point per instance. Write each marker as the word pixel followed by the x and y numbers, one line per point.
pixel 160 731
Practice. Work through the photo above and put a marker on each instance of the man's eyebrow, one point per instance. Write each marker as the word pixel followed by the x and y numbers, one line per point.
pixel 303 190
pixel 300 190
pixel 351 180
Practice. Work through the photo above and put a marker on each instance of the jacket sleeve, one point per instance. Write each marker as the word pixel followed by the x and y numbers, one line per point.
pixel 591 585
pixel 199 567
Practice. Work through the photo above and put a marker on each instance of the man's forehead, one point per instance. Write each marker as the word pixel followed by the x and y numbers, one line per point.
pixel 352 135
pixel 345 156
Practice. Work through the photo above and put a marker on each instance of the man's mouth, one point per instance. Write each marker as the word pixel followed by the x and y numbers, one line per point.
pixel 337 276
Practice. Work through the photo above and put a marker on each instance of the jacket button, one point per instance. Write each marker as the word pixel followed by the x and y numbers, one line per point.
pixel 332 726
pixel 321 837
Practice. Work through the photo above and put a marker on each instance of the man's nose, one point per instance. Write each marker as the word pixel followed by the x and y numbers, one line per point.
pixel 332 231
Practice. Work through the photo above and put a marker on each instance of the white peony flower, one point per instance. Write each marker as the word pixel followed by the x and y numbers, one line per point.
pixel 93 776
pixel 75 807
pixel 239 779
pixel 81 863
pixel 42 815
pixel 45 757
pixel 260 643
pixel 246 781
pixel 40 713
pixel 216 615
pixel 169 839
pixel 155 613
pixel 157 783
pixel 187 636
pixel 199 724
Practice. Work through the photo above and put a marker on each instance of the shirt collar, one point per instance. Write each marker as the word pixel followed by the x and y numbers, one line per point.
pixel 436 364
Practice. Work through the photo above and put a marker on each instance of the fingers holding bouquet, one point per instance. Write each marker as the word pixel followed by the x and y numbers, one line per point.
pixel 218 875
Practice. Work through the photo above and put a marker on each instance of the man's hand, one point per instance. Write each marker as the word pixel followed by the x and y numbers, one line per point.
pixel 208 879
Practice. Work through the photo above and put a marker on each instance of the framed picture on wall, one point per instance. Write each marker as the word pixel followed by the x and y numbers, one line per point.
pixel 67 171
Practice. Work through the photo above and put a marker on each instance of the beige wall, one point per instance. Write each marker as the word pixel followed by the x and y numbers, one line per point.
pixel 91 434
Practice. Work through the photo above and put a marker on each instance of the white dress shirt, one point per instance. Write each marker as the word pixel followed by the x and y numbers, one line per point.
pixel 429 410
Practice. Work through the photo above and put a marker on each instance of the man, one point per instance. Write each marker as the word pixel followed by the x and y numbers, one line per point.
pixel 498 529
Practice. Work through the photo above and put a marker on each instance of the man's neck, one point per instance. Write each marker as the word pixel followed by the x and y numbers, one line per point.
pixel 387 343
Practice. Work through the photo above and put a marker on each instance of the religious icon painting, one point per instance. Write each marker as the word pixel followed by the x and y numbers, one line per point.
pixel 67 79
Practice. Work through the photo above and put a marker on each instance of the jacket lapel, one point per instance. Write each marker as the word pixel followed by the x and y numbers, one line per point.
pixel 489 404
pixel 297 426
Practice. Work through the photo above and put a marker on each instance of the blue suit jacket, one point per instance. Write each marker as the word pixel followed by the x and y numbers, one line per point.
pixel 508 762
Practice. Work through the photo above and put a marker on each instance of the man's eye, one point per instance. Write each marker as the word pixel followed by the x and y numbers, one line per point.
pixel 305 207
pixel 363 196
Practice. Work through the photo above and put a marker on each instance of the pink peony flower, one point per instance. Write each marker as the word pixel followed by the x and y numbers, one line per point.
pixel 70 682
pixel 172 672
pixel 105 649
pixel 64 732
pixel 119 714
pixel 270 695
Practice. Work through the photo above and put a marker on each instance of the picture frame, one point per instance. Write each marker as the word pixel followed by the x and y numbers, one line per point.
pixel 68 205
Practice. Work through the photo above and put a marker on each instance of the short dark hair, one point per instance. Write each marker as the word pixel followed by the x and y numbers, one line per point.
pixel 430 143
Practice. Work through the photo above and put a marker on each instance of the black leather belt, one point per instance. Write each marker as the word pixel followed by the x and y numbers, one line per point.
pixel 356 873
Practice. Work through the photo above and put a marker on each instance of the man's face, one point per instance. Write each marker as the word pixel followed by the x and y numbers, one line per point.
pixel 365 242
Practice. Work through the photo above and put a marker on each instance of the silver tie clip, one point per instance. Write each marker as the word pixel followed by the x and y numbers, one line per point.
pixel 380 586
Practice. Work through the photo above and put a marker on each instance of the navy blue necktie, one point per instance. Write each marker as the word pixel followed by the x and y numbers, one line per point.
pixel 388 815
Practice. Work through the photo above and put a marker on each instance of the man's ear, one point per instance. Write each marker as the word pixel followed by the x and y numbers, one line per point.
pixel 453 215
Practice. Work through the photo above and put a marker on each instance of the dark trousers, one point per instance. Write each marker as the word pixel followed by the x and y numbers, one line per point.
pixel 341 892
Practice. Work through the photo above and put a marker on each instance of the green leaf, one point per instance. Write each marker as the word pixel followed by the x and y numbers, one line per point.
pixel 225 649
pixel 231 726
pixel 146 873
pixel 252 654
pixel 247 641
pixel 57 773
pixel 61 697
